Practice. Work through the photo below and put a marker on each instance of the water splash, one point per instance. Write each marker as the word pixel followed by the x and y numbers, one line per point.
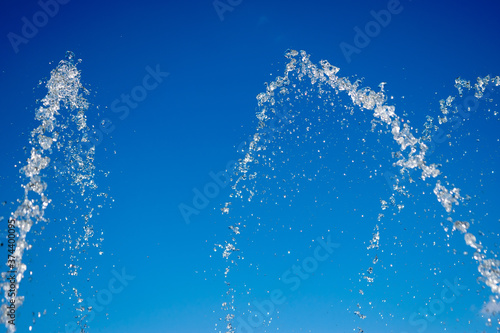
pixel 63 107
pixel 411 156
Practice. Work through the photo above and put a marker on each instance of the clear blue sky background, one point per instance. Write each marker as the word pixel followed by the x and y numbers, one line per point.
pixel 191 125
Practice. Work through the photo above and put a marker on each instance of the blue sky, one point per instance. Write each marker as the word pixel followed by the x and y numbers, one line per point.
pixel 192 123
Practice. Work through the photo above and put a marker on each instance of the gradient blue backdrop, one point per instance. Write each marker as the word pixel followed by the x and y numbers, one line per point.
pixel 192 123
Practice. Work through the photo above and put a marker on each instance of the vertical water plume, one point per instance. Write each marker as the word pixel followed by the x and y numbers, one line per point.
pixel 62 128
